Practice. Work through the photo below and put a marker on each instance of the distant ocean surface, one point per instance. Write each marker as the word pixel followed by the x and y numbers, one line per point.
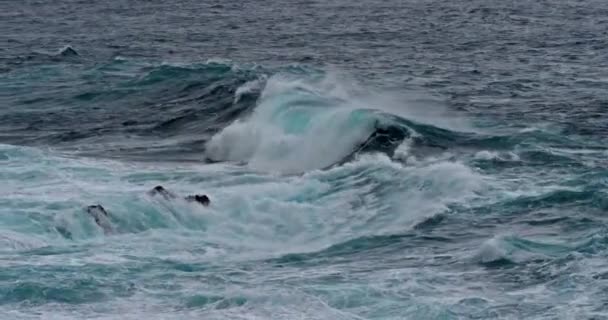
pixel 416 159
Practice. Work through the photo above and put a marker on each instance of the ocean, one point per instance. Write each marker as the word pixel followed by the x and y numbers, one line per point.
pixel 382 159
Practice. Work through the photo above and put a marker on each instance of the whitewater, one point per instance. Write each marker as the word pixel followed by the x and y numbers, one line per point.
pixel 313 181
pixel 400 160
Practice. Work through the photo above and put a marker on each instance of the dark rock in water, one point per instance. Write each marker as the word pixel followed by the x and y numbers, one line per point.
pixel 98 208
pixel 384 139
pixel 160 190
pixel 101 217
pixel 68 51
pixel 200 198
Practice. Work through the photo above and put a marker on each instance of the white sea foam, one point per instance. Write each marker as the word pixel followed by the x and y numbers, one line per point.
pixel 296 127
pixel 302 124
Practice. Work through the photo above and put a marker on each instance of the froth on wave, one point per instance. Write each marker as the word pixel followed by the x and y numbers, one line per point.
pixel 314 121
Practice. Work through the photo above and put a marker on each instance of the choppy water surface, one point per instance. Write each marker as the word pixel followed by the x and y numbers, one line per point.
pixel 376 160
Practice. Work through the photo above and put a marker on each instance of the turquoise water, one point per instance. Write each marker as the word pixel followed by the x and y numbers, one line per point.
pixel 414 235
pixel 377 160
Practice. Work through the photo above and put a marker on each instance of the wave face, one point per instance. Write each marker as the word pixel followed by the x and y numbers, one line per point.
pixel 299 124
pixel 363 161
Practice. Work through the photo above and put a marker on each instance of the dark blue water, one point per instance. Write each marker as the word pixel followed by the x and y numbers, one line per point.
pixel 377 160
